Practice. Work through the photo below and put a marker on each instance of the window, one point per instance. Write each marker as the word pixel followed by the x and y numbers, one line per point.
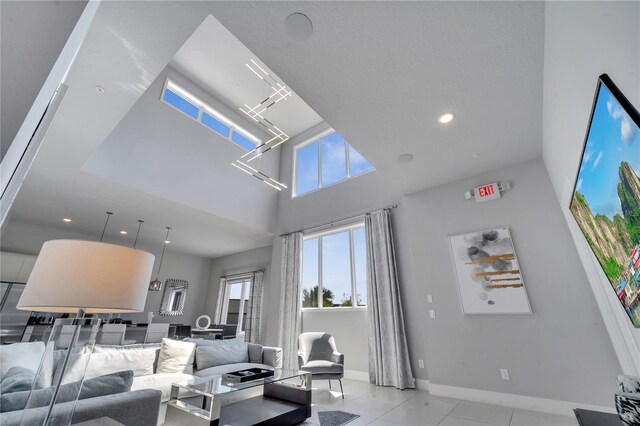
pixel 235 307
pixel 185 102
pixel 324 161
pixel 334 269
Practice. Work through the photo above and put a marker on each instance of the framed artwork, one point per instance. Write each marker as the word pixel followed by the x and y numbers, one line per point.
pixel 489 276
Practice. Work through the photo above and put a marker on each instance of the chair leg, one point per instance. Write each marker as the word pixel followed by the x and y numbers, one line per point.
pixel 341 390
pixel 329 384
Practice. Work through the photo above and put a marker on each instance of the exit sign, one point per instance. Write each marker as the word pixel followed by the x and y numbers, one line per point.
pixel 486 192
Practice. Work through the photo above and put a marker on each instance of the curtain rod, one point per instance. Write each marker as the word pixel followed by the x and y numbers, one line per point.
pixel 335 222
pixel 242 274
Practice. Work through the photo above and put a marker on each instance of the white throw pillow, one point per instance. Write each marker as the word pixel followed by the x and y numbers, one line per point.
pixel 220 352
pixel 28 355
pixel 176 357
pixel 140 361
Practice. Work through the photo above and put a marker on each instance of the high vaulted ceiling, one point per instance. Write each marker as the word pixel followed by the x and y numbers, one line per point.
pixel 378 72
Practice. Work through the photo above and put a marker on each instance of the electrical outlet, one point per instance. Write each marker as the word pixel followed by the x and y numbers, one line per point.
pixel 504 373
pixel 420 363
pixel 429 298
pixel 432 313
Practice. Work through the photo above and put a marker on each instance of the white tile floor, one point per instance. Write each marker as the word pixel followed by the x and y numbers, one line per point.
pixel 391 407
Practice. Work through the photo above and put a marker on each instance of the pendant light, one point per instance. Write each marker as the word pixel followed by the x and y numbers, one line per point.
pixel 156 285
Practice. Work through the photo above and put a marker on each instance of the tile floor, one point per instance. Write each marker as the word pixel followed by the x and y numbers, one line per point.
pixel 391 407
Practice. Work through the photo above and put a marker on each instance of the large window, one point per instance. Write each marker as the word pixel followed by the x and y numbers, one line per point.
pixel 188 104
pixel 324 161
pixel 334 269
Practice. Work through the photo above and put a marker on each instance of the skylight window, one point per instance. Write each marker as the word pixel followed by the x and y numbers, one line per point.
pixel 185 102
pixel 326 160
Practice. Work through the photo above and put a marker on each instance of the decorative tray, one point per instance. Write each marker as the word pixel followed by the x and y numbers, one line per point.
pixel 247 375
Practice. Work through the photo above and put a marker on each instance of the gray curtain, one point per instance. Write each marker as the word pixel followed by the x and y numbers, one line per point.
pixel 290 301
pixel 253 321
pixel 220 302
pixel 388 353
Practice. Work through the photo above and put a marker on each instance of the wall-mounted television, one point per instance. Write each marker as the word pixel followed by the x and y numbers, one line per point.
pixel 606 195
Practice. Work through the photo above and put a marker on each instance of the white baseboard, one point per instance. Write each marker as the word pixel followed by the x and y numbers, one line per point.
pixel 356 375
pixel 544 405
pixel 422 384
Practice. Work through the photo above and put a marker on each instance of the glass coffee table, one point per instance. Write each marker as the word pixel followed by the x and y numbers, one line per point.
pixel 282 399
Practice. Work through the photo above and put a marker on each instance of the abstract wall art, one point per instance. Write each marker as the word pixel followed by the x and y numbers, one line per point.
pixel 489 276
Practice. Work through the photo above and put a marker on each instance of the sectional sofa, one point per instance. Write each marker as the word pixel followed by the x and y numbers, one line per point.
pixel 155 367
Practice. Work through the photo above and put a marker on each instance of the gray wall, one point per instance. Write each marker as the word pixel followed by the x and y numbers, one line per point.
pixel 247 261
pixel 33 34
pixel 561 351
pixel 27 238
pixel 594 38
pixel 350 331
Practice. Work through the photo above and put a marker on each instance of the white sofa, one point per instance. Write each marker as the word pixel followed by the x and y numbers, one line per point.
pixel 149 362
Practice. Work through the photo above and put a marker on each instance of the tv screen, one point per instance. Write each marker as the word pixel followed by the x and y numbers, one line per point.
pixel 606 196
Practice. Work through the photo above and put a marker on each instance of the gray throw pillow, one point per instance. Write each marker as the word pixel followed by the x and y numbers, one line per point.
pixel 221 352
pixel 104 385
pixel 17 379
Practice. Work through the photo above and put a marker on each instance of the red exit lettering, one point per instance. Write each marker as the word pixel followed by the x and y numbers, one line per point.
pixel 485 191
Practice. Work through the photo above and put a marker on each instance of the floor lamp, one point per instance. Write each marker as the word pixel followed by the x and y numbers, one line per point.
pixel 85 277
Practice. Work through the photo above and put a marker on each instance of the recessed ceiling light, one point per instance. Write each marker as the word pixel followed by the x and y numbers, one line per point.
pixel 405 158
pixel 99 89
pixel 446 118
pixel 298 26
pixel 123 232
pixel 167 241
pixel 66 219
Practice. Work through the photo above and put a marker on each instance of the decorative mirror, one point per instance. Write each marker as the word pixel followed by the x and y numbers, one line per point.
pixel 203 322
pixel 173 297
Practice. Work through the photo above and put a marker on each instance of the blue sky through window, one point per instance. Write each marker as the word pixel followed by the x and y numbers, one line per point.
pixel 307 168
pixel 182 104
pixel 243 141
pixel 357 163
pixel 215 125
pixel 613 138
pixel 334 159
pixel 310 175
pixel 336 266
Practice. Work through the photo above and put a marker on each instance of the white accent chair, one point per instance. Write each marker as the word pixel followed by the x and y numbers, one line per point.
pixel 113 334
pixel 156 332
pixel 317 354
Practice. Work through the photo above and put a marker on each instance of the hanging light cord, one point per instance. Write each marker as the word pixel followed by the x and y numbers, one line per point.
pixel 164 247
pixel 140 222
pixel 105 225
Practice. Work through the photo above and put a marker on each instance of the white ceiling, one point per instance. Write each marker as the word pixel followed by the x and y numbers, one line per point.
pixel 378 72
pixel 215 59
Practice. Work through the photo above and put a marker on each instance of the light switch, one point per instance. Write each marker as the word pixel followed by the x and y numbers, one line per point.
pixel 429 298
pixel 432 313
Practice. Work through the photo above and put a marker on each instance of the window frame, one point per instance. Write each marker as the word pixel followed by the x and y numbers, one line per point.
pixel 203 107
pixel 317 138
pixel 246 281
pixel 323 233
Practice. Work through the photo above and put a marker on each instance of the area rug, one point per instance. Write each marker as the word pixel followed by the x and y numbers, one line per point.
pixel 335 418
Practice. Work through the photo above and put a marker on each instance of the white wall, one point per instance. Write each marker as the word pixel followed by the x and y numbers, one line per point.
pixel 582 41
pixel 27 238
pixel 159 150
pixel 561 351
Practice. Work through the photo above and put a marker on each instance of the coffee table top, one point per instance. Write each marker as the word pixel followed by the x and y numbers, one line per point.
pixel 218 385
